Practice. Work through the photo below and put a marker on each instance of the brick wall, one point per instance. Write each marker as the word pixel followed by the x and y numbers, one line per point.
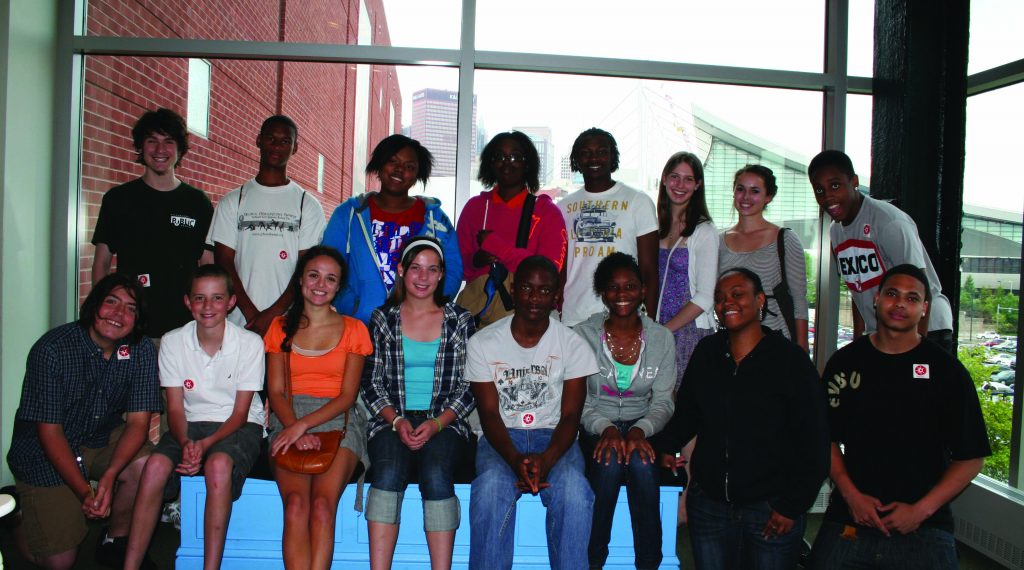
pixel 319 97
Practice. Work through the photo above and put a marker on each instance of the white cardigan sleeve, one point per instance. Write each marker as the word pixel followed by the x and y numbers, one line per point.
pixel 703 271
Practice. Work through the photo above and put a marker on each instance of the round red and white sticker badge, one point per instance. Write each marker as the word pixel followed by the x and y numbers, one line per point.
pixel 189 384
pixel 122 352
pixel 867 229
pixel 283 254
pixel 528 419
pixel 143 280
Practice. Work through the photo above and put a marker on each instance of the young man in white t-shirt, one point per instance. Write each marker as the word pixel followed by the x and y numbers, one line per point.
pixel 528 374
pixel 602 218
pixel 210 370
pixel 262 228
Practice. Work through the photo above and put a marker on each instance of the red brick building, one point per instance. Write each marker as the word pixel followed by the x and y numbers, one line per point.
pixel 320 97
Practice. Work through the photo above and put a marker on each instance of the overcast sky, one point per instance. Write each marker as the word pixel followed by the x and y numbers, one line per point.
pixel 736 33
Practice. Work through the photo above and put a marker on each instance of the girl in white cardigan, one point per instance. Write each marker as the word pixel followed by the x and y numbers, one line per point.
pixel 687 256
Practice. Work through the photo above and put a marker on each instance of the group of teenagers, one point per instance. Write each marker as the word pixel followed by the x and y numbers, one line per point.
pixel 596 343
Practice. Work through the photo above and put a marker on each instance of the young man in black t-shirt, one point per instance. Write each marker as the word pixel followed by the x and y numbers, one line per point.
pixel 906 414
pixel 156 225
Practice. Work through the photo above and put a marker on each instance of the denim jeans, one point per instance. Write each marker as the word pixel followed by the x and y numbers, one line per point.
pixel 729 535
pixel 642 492
pixel 492 505
pixel 925 548
pixel 391 465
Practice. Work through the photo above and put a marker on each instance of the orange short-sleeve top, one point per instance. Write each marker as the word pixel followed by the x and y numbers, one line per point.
pixel 321 376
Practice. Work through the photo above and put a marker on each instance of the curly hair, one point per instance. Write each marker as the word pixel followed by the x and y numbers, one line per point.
pixel 293 317
pixel 162 121
pixel 489 177
pixel 594 132
pixel 390 146
pixel 611 264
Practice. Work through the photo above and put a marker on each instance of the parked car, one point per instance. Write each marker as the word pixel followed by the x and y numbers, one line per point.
pixel 994 342
pixel 998 389
pixel 1007 346
pixel 988 335
pixel 1003 358
pixel 1008 377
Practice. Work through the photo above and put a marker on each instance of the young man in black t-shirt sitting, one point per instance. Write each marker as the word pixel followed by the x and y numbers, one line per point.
pixel 906 414
pixel 156 225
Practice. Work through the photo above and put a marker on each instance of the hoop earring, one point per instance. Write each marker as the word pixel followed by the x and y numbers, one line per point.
pixel 643 310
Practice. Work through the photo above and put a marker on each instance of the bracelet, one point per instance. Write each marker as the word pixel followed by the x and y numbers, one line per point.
pixel 394 422
pixel 439 426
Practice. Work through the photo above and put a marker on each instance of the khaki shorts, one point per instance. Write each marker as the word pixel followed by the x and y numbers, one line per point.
pixel 52 517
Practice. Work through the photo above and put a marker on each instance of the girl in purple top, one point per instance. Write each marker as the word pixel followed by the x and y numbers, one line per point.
pixel 687 256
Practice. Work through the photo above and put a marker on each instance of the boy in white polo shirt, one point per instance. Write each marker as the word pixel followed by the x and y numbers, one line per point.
pixel 210 370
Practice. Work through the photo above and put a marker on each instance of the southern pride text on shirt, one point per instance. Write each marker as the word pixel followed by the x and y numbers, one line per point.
pixel 594 224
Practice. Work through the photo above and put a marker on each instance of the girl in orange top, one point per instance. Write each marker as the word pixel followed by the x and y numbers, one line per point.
pixel 326 352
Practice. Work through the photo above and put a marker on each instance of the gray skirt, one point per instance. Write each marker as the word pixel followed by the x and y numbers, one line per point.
pixel 355 438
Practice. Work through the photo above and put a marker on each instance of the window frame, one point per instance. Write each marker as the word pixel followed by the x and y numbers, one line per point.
pixel 833 83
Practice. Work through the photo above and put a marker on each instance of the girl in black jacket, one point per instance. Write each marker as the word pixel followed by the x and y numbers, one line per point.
pixel 755 404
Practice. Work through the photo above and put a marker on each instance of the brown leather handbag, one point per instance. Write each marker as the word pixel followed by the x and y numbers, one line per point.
pixel 309 461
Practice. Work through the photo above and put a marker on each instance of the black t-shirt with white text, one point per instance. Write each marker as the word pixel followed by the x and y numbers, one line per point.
pixel 901 419
pixel 158 237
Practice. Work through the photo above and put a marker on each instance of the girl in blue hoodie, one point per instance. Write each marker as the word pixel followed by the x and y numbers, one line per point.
pixel 371 229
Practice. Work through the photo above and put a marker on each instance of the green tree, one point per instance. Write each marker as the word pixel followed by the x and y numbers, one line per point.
pixel 996 305
pixel 967 295
pixel 812 283
pixel 998 414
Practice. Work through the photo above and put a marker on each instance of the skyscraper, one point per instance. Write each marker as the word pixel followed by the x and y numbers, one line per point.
pixel 541 137
pixel 435 123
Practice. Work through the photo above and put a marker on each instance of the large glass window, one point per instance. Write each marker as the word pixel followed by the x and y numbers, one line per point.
pixel 734 32
pixel 318 96
pixel 726 126
pixel 652 119
pixel 995 34
pixel 861 40
pixel 858 147
pixel 990 263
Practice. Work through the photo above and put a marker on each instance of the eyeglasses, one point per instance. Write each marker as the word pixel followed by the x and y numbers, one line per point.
pixel 511 158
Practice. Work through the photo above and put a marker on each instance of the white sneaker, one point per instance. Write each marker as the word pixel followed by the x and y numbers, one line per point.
pixel 172 513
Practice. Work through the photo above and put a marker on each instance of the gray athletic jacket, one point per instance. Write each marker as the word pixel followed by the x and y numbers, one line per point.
pixel 649 395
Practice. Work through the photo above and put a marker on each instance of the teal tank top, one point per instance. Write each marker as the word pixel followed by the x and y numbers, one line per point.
pixel 419 372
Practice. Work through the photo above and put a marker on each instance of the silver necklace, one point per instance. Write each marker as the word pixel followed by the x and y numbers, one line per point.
pixel 622 354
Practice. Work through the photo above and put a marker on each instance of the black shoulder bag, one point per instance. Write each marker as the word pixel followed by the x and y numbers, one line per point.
pixel 781 293
pixel 498 271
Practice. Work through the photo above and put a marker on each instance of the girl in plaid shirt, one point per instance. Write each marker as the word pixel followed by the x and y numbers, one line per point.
pixel 415 389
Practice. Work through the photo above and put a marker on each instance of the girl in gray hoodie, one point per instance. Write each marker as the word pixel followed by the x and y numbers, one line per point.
pixel 628 401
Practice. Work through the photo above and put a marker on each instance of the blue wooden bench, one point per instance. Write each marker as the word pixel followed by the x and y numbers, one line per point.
pixel 254 532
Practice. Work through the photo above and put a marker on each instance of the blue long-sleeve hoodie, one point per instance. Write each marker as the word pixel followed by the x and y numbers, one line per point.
pixel 349 231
